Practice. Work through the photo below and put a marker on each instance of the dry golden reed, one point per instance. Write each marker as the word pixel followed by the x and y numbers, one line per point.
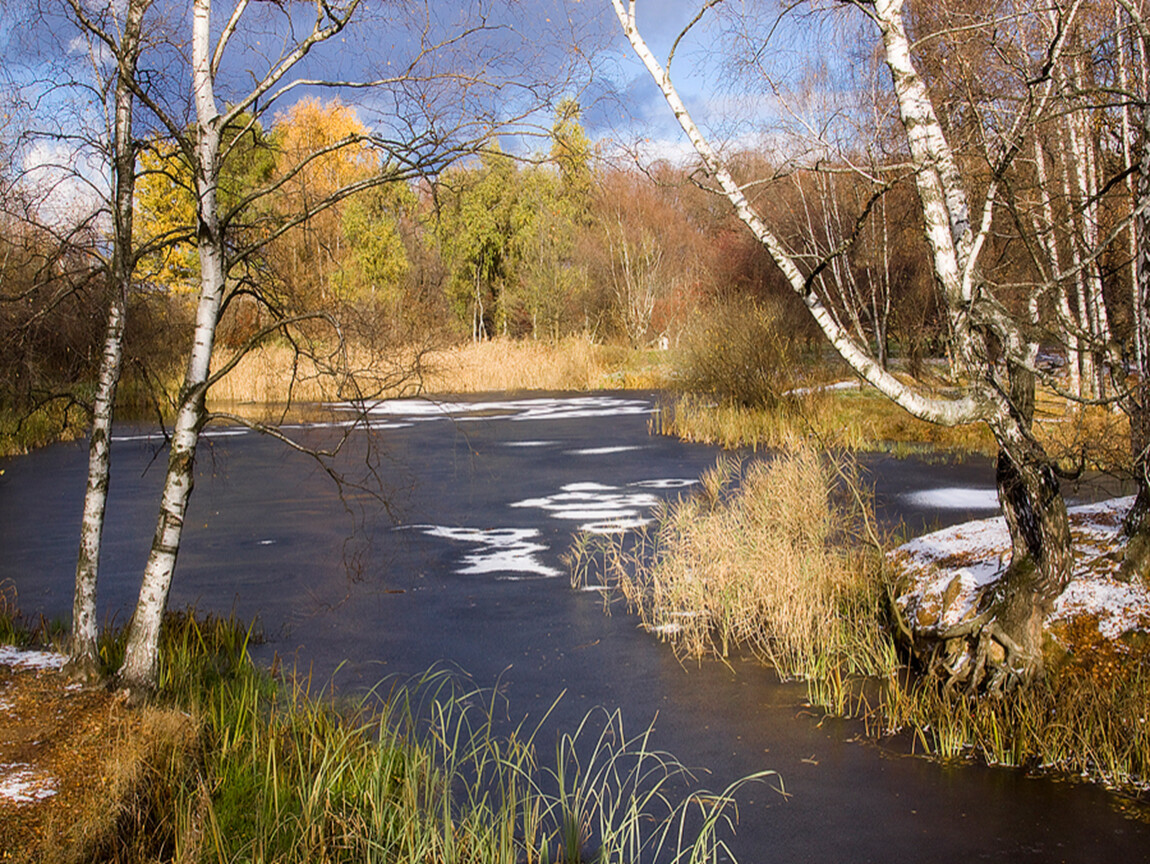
pixel 853 420
pixel 274 374
pixel 756 560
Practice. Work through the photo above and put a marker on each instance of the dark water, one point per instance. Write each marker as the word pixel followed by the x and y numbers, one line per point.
pixel 462 567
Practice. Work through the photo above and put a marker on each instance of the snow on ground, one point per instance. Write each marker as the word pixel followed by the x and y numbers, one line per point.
pixel 947 570
pixel 853 384
pixel 21 783
pixel 24 784
pixel 21 659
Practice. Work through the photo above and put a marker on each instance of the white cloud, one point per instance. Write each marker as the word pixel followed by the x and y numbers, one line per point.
pixel 68 182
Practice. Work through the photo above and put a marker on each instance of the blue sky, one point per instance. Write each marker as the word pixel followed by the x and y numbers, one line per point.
pixel 523 40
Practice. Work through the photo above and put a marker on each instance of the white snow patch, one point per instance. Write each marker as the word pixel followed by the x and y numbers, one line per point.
pixel 669 483
pixel 501 550
pixel 604 451
pixel 605 509
pixel 616 525
pixel 954 498
pixel 601 508
pixel 541 408
pixel 965 558
pixel 839 385
pixel 23 784
pixel 19 658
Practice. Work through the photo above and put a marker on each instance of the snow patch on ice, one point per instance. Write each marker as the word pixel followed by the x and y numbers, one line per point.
pixel 954 498
pixel 541 408
pixel 604 451
pixel 599 507
pixel 508 551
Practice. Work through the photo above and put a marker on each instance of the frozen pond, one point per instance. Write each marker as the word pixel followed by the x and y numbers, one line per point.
pixel 445 547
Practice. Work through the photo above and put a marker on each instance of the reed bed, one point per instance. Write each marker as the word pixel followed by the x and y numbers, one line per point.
pixel 843 419
pixel 758 559
pixel 275 374
pixel 1072 723
pixel 572 363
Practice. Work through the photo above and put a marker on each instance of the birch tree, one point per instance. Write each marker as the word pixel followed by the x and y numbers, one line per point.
pixel 124 47
pixel 1137 405
pixel 991 350
pixel 443 111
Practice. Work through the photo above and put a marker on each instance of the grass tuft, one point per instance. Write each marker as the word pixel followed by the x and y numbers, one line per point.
pixel 757 560
pixel 232 765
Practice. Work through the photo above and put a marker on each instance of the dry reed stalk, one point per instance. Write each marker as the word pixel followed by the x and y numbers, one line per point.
pixel 505 364
pixel 275 373
pixel 758 565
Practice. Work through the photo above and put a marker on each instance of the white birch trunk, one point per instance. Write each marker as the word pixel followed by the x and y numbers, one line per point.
pixel 1125 60
pixel 1086 328
pixel 84 658
pixel 1069 323
pixel 142 652
pixel 83 653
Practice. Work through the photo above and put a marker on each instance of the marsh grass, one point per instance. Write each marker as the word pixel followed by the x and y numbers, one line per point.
pixel 274 374
pixel 780 558
pixel 858 421
pixel 420 774
pixel 1073 722
pixel 759 560
pixel 861 420
pixel 233 764
pixel 60 420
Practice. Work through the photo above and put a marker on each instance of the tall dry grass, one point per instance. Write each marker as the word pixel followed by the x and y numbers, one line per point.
pixel 859 421
pixel 759 559
pixel 275 374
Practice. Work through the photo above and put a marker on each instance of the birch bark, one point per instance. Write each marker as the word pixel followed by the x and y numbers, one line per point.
pixel 83 653
pixel 141 656
pixel 1136 562
pixel 1028 490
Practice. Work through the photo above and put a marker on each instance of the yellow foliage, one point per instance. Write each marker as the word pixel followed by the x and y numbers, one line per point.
pixel 309 135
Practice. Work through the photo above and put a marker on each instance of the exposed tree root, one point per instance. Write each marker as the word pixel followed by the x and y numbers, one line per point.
pixel 980 657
